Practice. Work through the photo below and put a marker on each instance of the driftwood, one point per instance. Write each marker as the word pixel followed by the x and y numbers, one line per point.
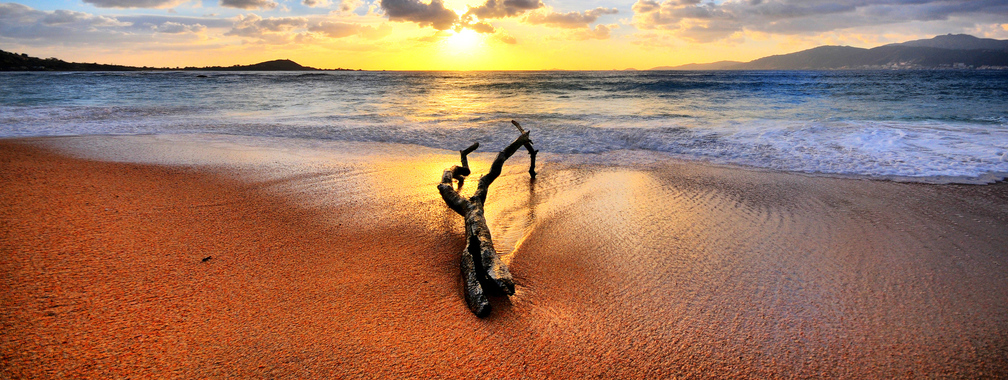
pixel 482 270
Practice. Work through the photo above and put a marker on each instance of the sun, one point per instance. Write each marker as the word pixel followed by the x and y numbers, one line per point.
pixel 463 40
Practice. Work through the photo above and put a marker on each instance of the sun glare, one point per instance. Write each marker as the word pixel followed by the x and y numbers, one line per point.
pixel 464 40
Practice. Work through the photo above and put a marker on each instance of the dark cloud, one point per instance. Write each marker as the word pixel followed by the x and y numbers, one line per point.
pixel 433 14
pixel 503 8
pixel 709 21
pixel 570 19
pixel 249 4
pixel 135 3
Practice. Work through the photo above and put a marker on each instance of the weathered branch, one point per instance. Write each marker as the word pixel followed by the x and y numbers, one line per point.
pixel 532 151
pixel 481 268
pixel 455 201
pixel 465 152
pixel 450 195
pixel 496 166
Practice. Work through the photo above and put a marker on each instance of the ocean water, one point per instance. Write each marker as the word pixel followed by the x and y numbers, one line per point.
pixel 928 126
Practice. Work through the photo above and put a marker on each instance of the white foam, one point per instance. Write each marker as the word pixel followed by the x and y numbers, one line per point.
pixel 880 149
pixel 926 151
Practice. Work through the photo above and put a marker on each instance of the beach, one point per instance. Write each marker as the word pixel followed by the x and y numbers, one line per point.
pixel 122 259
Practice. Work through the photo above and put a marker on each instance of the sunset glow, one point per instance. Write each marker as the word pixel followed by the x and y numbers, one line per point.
pixel 465 40
pixel 472 34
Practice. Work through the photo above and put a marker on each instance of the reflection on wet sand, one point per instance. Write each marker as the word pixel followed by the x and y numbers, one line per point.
pixel 345 262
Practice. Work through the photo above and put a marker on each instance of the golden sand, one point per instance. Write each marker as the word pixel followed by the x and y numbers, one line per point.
pixel 673 269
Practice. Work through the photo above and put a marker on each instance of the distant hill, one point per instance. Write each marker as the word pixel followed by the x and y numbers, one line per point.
pixel 824 57
pixel 958 42
pixel 719 65
pixel 276 65
pixel 949 51
pixel 882 57
pixel 22 62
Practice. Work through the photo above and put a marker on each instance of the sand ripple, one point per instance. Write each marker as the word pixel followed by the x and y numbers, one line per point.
pixel 344 264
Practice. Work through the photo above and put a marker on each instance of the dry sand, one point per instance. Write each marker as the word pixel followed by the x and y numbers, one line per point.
pixel 351 270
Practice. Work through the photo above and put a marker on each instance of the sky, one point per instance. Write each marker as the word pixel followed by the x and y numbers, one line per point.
pixel 473 34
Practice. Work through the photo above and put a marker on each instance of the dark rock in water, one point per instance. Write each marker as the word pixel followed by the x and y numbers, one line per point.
pixel 201 76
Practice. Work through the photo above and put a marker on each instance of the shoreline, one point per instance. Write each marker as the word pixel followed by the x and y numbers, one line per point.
pixel 321 266
pixel 158 149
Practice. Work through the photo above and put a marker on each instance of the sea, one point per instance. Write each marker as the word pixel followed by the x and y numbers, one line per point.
pixel 921 126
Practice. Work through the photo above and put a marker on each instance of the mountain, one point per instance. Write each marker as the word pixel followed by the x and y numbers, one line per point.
pixel 958 42
pixel 827 57
pixel 22 62
pixel 948 51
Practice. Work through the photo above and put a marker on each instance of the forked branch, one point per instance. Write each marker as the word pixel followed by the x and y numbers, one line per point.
pixel 481 268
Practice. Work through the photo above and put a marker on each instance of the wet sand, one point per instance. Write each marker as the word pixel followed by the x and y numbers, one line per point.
pixel 349 268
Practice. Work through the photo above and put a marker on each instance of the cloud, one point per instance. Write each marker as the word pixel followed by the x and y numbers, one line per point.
pixel 570 19
pixel 580 21
pixel 334 29
pixel 711 21
pixel 503 8
pixel 481 27
pixel 349 5
pixel 72 18
pixel 21 24
pixel 249 4
pixel 436 37
pixel 434 14
pixel 344 5
pixel 505 38
pixel 274 30
pixel 135 3
pixel 601 32
pixel 176 28
pixel 285 30
pixel 10 11
pixel 145 21
pixel 34 31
